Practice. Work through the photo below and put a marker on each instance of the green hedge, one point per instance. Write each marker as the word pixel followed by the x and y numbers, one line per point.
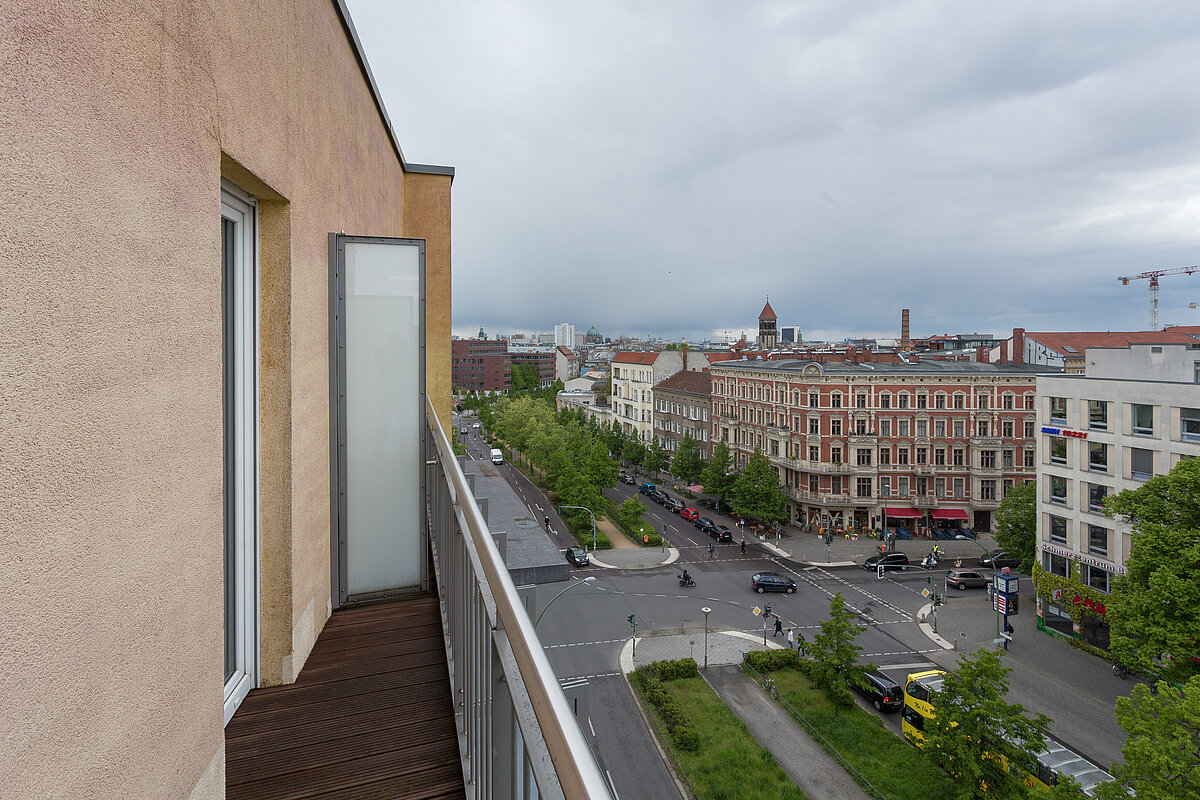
pixel 650 678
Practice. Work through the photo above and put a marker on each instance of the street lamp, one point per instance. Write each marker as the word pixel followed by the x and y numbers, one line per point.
pixel 706 611
pixel 993 592
pixel 590 514
pixel 588 579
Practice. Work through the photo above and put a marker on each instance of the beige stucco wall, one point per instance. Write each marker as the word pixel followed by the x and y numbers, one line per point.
pixel 117 122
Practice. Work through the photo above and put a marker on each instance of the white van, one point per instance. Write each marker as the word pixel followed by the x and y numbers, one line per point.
pixel 497 456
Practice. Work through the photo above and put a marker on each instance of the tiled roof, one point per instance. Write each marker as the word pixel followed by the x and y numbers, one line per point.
pixel 767 312
pixel 689 382
pixel 712 357
pixel 920 368
pixel 1072 344
pixel 635 358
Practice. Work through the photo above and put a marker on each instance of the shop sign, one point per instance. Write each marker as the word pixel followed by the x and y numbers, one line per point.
pixel 1090 604
pixel 1064 432
pixel 1083 558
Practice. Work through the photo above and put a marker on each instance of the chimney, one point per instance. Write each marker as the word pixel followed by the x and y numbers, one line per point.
pixel 1018 346
pixel 981 354
pixel 905 342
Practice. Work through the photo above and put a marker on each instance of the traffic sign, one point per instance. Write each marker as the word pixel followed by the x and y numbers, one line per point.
pixel 925 593
pixel 757 611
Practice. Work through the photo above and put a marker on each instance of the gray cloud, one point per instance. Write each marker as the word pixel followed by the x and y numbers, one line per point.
pixel 661 168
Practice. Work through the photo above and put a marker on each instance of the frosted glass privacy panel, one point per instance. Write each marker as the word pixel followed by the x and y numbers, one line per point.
pixel 384 412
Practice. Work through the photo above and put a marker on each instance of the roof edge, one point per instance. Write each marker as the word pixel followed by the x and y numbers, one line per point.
pixel 360 56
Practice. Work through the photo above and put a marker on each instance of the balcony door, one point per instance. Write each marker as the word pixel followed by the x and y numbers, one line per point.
pixel 377 402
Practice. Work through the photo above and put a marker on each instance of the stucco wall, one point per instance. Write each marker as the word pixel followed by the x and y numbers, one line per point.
pixel 117 122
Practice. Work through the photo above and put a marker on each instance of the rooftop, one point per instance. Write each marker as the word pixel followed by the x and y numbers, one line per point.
pixel 958 368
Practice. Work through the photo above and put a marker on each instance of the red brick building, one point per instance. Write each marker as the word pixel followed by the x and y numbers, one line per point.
pixel 871 445
pixel 480 365
pixel 542 359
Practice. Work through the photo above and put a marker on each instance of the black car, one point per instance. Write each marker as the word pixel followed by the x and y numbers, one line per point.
pixel 999 559
pixel 673 505
pixel 629 479
pixel 892 560
pixel 704 524
pixel 883 692
pixel 577 556
pixel 772 582
pixel 721 533
pixel 659 496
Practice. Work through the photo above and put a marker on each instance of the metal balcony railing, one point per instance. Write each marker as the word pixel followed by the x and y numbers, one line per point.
pixel 517 735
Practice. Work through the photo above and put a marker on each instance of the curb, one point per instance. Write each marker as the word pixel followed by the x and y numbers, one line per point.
pixel 928 631
pixel 672 557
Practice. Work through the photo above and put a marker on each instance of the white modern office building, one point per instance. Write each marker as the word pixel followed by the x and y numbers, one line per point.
pixel 1133 414
pixel 564 335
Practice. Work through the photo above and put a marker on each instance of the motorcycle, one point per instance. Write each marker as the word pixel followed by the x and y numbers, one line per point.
pixel 688 581
pixel 930 562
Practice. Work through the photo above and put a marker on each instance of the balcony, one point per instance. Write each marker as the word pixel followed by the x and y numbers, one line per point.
pixel 428 697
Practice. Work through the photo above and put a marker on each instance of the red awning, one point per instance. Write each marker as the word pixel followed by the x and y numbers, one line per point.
pixel 948 513
pixel 901 512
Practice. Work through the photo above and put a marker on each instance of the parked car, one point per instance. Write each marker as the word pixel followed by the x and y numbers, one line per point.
pixel 476 425
pixel 721 533
pixel 673 505
pixel 628 479
pixel 962 578
pixel 883 692
pixel 660 497
pixel 646 488
pixel 772 582
pixel 689 513
pixel 704 524
pixel 577 556
pixel 893 560
pixel 464 430
pixel 999 559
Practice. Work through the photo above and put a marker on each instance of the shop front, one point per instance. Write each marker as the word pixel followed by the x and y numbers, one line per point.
pixel 1073 595
pixel 947 522
pixel 902 519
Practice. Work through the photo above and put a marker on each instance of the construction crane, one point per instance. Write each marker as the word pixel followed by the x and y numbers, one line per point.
pixel 1153 276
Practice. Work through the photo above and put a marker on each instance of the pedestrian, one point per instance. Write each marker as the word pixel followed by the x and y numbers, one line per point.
pixel 791 639
pixel 801 643
pixel 711 550
pixel 743 544
pixel 547 522
pixel 778 627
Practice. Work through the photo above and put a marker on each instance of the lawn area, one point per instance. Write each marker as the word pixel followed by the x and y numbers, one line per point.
pixel 726 762
pixel 895 768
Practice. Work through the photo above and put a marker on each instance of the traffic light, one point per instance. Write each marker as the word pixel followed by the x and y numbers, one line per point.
pixel 631 620
pixel 828 537
pixel 767 611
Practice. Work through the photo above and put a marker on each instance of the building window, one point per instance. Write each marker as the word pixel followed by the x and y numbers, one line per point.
pixel 814 452
pixel 902 455
pixel 1007 459
pixel 939 457
pixel 1058 450
pixel 902 401
pixel 885 401
pixel 835 426
pixel 885 486
pixel 1141 463
pixel 1006 428
pixel 939 486
pixel 939 428
pixel 959 457
pixel 1098 540
pixel 1142 419
pixel 982 427
pixel 958 488
pixel 902 428
pixel 1058 529
pixel 835 455
pixel 960 401
pixel 1094 577
pixel 885 456
pixel 860 426
pixel 1189 424
pixel 982 402
pixel 1058 490
pixel 1029 458
pixel 1056 564
pixel 1028 429
pixel 814 483
pixel 1058 410
pixel 1097 415
pixel 885 427
pixel 814 400
pixel 921 454
pixel 863 487
pixel 814 424
pixel 239 305
pixel 987 490
pixel 860 401
pixel 1006 486
pixel 835 400
pixel 922 487
pixel 835 484
pixel 987 459
pixel 922 427
pixel 863 457
pixel 939 401
pixel 1008 402
pixel 960 428
pixel 1097 457
pixel 1096 494
pixel 902 486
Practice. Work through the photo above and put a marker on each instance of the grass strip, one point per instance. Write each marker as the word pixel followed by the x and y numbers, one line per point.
pixel 728 762
pixel 898 770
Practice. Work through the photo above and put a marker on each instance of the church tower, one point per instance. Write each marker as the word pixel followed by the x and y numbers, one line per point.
pixel 766 328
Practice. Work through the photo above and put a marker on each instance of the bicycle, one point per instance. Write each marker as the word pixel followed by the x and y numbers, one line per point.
pixel 1121 671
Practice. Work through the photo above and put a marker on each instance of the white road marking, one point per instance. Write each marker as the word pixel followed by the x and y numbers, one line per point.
pixel 915 665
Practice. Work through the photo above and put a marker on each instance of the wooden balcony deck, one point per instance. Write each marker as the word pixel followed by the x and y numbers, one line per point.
pixel 371 715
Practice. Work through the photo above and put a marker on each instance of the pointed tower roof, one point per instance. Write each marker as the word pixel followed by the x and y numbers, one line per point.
pixel 767 312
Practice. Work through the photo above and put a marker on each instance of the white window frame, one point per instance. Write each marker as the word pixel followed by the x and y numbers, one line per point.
pixel 241 209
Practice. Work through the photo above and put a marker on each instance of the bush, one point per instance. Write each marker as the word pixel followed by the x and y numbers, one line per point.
pixel 765 661
pixel 650 679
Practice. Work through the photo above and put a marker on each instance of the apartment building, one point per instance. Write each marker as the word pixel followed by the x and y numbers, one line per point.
pixel 566 364
pixel 634 376
pixel 931 444
pixel 1134 413
pixel 480 365
pixel 1065 349
pixel 682 404
pixel 542 357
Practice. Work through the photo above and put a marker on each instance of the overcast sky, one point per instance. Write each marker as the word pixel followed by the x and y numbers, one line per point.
pixel 660 168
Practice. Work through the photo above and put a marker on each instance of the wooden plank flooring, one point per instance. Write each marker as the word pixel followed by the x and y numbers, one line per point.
pixel 371 715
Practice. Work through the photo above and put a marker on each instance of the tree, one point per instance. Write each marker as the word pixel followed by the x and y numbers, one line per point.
pixel 1016 524
pixel 631 512
pixel 633 451
pixel 975 733
pixel 717 476
pixel 1162 752
pixel 756 491
pixel 1156 604
pixel 524 376
pixel 656 458
pixel 835 655
pixel 687 465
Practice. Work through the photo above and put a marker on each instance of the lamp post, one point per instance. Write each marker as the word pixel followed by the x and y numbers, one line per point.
pixel 590 514
pixel 992 594
pixel 706 611
pixel 588 579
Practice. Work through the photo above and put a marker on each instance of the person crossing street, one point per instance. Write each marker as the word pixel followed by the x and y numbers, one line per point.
pixel 711 550
pixel 778 627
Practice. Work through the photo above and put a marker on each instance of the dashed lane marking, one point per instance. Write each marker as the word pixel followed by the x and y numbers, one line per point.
pixel 583 644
